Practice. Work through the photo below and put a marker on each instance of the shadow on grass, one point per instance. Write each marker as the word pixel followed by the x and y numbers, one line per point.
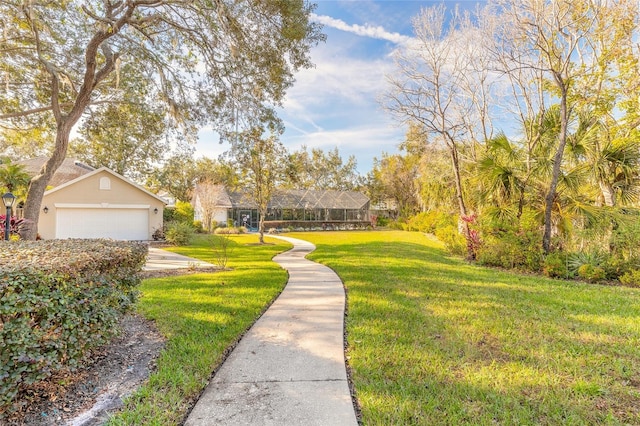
pixel 435 340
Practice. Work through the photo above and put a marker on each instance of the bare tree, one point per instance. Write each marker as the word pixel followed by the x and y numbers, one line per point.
pixel 210 61
pixel 434 86
pixel 211 198
pixel 556 41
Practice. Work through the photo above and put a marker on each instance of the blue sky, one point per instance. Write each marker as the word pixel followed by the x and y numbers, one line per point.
pixel 335 104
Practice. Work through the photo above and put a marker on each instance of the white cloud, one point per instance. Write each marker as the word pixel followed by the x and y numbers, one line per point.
pixel 365 142
pixel 334 104
pixel 338 77
pixel 377 32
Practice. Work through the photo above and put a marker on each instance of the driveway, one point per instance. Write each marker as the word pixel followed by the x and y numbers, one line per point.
pixel 162 260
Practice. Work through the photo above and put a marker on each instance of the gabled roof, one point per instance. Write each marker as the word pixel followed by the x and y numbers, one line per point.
pixel 218 191
pixel 111 172
pixel 69 169
pixel 305 199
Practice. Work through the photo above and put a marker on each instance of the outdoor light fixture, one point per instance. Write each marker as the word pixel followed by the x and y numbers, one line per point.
pixel 45 210
pixel 8 199
pixel 155 211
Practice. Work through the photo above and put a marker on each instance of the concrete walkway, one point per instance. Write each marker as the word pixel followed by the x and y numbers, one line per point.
pixel 289 369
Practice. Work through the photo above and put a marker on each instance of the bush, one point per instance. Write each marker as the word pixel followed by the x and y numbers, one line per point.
pixel 594 258
pixel 183 212
pixel 591 273
pixel 60 299
pixel 616 266
pixel 555 265
pixel 16 226
pixel 230 230
pixel 382 221
pixel 179 233
pixel 510 245
pixel 631 278
pixel 430 221
pixel 197 226
pixel 453 241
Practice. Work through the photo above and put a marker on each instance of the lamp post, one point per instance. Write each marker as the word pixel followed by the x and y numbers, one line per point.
pixel 8 199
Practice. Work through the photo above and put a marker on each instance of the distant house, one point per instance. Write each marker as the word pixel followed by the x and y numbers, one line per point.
pixel 298 208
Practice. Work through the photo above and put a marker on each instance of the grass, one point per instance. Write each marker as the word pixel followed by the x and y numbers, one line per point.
pixel 433 340
pixel 201 315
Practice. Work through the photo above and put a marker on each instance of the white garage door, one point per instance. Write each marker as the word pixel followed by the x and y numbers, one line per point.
pixel 116 223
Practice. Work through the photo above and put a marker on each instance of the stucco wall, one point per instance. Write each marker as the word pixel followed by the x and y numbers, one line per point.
pixel 87 191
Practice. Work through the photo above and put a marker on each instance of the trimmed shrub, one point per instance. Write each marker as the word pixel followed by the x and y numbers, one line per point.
pixel 179 233
pixel 230 230
pixel 60 299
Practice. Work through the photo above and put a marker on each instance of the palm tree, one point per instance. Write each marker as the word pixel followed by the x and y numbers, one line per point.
pixel 13 176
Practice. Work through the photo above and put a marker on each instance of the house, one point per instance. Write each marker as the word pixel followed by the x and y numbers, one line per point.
pixel 299 208
pixel 68 170
pixel 210 204
pixel 100 204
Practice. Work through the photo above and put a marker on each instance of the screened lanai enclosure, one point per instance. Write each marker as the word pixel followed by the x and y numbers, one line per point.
pixel 322 209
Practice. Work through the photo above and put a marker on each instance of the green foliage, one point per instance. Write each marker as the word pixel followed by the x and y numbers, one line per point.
pixel 453 240
pixel 631 278
pixel 127 150
pixel 179 233
pixel 183 212
pixel 14 178
pixel 59 299
pixel 594 258
pixel 429 221
pixel 591 273
pixel 168 214
pixel 382 221
pixel 510 245
pixel 197 226
pixel 229 230
pixel 625 238
pixel 555 265
pixel 317 169
pixel 616 266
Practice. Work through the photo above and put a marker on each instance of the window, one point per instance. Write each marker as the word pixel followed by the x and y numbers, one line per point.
pixel 105 183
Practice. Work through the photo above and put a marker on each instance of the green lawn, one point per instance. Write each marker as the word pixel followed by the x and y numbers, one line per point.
pixel 433 340
pixel 201 315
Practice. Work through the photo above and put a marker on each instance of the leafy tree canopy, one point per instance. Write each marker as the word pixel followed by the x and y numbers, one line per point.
pixel 207 61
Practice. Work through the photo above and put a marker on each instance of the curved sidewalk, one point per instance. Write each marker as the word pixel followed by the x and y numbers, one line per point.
pixel 289 369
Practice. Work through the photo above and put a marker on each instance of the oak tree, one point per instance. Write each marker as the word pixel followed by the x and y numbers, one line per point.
pixel 208 61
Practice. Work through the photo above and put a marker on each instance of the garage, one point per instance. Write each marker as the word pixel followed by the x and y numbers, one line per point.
pixel 118 223
pixel 100 204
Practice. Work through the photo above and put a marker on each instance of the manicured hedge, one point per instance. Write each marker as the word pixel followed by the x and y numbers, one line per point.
pixel 58 299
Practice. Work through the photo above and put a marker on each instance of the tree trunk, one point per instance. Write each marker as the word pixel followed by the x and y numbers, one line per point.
pixel 608 194
pixel 555 176
pixel 39 182
pixel 261 225
pixel 463 225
